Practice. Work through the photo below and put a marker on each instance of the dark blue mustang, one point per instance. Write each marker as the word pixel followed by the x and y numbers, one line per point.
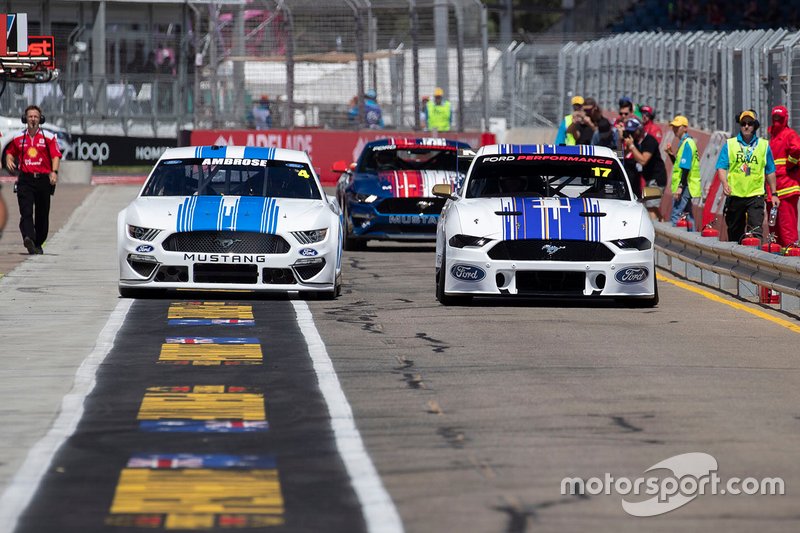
pixel 387 195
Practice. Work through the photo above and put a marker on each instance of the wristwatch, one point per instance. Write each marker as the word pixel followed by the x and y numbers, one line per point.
pixel 56 171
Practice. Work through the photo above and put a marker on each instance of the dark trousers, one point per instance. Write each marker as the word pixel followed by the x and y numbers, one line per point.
pixel 742 214
pixel 33 196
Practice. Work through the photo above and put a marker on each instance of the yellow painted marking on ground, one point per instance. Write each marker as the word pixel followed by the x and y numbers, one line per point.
pixel 192 497
pixel 209 310
pixel 731 303
pixel 199 405
pixel 210 353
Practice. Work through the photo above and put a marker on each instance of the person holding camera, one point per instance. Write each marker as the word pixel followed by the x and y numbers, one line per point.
pixel 644 151
pixel 744 164
pixel 35 154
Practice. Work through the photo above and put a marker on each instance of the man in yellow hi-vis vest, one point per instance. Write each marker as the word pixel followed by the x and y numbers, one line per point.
pixel 440 113
pixel 685 172
pixel 743 165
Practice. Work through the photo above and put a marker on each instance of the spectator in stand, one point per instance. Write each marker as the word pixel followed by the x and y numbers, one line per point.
pixel 645 152
pixel 751 15
pixel 605 135
pixel 262 114
pixel 561 136
pixel 715 15
pixel 648 119
pixel 744 164
pixel 373 115
pixel 685 172
pixel 774 17
pixel 785 145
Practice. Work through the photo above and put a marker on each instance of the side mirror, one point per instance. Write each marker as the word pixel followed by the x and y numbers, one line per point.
pixel 340 167
pixel 443 190
pixel 651 193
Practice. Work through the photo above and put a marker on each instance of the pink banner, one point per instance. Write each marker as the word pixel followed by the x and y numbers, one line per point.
pixel 323 146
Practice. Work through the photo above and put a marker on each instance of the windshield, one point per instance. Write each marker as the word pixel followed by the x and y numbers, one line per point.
pixel 217 177
pixel 549 176
pixel 389 158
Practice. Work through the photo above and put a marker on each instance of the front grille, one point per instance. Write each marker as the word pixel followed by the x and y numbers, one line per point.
pixel 551 283
pixel 307 272
pixel 143 268
pixel 563 250
pixel 226 242
pixel 214 273
pixel 398 206
pixel 277 276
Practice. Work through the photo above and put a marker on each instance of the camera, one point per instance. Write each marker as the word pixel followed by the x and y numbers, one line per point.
pixel 626 134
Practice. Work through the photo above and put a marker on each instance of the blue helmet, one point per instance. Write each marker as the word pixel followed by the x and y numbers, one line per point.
pixel 371 93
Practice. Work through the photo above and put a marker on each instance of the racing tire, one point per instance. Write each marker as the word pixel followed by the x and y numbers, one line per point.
pixel 351 244
pixel 443 297
pixel 331 295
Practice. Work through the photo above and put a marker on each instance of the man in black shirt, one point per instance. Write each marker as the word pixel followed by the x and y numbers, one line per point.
pixel 644 149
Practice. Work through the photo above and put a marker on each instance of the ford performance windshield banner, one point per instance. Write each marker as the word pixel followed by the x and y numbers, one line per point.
pixel 112 150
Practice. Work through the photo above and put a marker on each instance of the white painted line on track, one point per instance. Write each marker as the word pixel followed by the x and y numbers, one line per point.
pixel 20 491
pixel 379 511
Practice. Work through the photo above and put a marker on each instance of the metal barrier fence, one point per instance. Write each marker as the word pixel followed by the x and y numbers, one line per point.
pixel 707 76
pixel 217 58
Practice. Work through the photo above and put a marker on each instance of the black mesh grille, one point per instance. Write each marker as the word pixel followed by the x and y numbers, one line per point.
pixel 309 271
pixel 277 276
pixel 213 273
pixel 398 206
pixel 551 283
pixel 142 268
pixel 226 242
pixel 562 250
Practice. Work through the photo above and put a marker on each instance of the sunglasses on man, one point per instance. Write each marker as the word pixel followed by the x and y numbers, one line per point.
pixel 747 124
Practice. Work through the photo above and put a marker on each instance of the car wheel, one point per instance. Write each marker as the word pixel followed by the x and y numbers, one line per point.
pixel 640 303
pixel 443 297
pixel 351 244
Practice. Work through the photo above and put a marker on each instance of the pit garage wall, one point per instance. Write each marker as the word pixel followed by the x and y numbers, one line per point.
pixel 323 146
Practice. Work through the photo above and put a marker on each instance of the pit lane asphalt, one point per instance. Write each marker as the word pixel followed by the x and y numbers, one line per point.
pixel 473 415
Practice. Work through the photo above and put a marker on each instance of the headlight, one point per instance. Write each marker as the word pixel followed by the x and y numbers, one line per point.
pixel 143 234
pixel 468 241
pixel 640 243
pixel 310 237
pixel 365 198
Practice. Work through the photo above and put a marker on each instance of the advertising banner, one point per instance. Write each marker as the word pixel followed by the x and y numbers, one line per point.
pixel 323 146
pixel 123 151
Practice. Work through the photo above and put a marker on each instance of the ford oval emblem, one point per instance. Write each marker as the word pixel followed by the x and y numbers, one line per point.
pixel 144 248
pixel 632 274
pixel 467 272
pixel 308 252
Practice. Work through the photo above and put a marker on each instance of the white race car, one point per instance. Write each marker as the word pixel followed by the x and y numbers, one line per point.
pixel 231 218
pixel 544 221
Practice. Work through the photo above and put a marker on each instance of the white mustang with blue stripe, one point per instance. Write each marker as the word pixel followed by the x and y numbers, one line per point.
pixel 544 221
pixel 236 218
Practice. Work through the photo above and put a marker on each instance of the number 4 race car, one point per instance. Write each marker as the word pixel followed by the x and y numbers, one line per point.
pixel 544 221
pixel 231 218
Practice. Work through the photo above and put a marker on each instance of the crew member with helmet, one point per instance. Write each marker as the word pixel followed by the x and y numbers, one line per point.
pixel 35 153
pixel 562 136
pixel 744 164
pixel 785 145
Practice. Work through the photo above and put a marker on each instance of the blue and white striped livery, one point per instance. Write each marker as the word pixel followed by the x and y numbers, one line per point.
pixel 231 218
pixel 544 221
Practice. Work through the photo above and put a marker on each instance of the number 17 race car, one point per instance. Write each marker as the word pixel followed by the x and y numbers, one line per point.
pixel 544 221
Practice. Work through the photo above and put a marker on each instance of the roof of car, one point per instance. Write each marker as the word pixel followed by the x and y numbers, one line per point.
pixel 581 149
pixel 420 142
pixel 236 152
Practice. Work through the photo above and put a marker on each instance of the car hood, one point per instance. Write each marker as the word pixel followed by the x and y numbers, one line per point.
pixel 553 218
pixel 232 213
pixel 405 183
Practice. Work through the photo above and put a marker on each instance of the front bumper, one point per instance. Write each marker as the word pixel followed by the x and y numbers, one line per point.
pixel 367 222
pixel 631 273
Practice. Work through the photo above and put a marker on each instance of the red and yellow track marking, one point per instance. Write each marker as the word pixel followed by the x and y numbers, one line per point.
pixel 199 498
pixel 202 402
pixel 211 354
pixel 209 310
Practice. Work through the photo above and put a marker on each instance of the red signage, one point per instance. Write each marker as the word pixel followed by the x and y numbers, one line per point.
pixel 39 46
pixel 323 146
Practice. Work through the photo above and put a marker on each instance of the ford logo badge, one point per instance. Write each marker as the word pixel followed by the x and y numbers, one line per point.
pixel 467 273
pixel 632 275
pixel 144 248
pixel 308 252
